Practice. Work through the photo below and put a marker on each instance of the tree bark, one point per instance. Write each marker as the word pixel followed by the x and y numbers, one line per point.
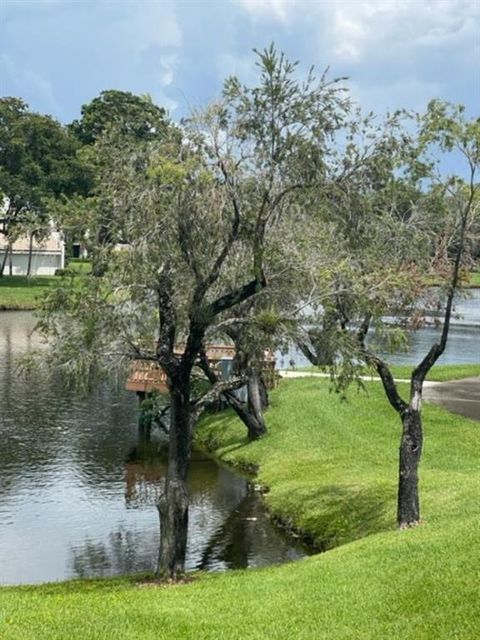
pixel 10 262
pixel 264 399
pixel 256 423
pixel 255 429
pixel 5 258
pixel 30 252
pixel 408 507
pixel 173 505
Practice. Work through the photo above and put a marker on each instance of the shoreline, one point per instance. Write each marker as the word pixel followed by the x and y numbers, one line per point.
pixel 320 467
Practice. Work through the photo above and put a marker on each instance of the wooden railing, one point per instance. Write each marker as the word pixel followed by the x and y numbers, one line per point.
pixel 146 376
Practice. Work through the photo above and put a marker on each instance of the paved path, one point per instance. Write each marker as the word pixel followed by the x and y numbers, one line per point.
pixel 458 396
pixel 288 373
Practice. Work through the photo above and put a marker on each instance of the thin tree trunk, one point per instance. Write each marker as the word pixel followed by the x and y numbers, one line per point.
pixel 10 262
pixel 30 251
pixel 257 427
pixel 408 507
pixel 5 258
pixel 173 505
pixel 255 430
pixel 263 390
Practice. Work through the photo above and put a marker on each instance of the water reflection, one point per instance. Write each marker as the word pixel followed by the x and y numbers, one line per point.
pixel 78 489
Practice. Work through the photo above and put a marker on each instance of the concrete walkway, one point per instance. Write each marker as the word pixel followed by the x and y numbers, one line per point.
pixel 288 373
pixel 459 396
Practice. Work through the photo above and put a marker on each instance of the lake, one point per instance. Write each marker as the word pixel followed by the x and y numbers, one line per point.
pixel 463 346
pixel 78 488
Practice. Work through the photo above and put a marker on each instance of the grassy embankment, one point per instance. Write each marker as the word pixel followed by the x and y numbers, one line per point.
pixel 331 471
pixel 19 293
pixel 439 373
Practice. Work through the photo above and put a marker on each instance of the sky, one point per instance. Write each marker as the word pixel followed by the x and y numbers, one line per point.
pixel 59 54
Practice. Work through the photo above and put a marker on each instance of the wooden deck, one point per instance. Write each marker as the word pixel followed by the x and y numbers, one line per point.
pixel 146 376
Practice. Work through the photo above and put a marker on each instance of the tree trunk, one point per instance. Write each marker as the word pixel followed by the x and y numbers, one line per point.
pixel 256 424
pixel 408 509
pixel 254 428
pixel 264 399
pixel 10 262
pixel 5 258
pixel 173 505
pixel 30 252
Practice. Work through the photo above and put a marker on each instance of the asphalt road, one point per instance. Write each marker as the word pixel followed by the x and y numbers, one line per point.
pixel 458 396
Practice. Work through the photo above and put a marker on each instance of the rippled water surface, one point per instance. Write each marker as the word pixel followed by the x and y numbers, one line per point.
pixel 78 489
pixel 463 346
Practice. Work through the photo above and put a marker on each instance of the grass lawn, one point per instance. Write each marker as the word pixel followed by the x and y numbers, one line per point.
pixel 474 279
pixel 330 468
pixel 79 265
pixel 439 373
pixel 22 293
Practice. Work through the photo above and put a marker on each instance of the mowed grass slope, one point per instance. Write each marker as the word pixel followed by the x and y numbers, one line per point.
pixel 331 466
pixel 331 470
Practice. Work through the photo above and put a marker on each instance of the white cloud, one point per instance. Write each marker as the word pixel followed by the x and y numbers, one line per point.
pixel 380 27
pixel 388 95
pixel 353 29
pixel 147 25
pixel 278 9
pixel 167 65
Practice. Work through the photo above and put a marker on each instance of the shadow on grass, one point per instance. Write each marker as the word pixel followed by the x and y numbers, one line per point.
pixel 222 430
pixel 332 515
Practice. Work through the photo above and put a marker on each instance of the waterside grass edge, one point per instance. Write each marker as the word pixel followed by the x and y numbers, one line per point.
pixel 330 467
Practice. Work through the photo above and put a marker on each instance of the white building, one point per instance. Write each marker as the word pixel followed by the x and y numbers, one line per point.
pixel 47 256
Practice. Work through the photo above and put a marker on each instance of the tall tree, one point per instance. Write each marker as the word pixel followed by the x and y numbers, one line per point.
pixel 200 215
pixel 413 224
pixel 131 115
pixel 121 118
pixel 38 161
pixel 445 126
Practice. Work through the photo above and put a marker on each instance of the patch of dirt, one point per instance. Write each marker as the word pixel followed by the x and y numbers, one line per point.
pixel 152 583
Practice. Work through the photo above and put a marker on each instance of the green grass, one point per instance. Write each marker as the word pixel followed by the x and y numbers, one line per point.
pixel 331 470
pixel 439 373
pixel 20 292
pixel 81 266
pixel 474 280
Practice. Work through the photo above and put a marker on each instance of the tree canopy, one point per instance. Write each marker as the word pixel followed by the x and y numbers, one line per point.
pixel 132 115
pixel 38 157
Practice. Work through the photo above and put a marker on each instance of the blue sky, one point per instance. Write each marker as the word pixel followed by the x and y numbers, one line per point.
pixel 59 54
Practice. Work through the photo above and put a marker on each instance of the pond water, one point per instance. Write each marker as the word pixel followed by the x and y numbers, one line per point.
pixel 463 346
pixel 78 489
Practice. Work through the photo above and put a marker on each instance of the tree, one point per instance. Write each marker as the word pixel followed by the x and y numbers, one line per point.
pixel 446 126
pixel 414 226
pixel 131 115
pixel 38 161
pixel 200 215
pixel 116 116
pixel 362 212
